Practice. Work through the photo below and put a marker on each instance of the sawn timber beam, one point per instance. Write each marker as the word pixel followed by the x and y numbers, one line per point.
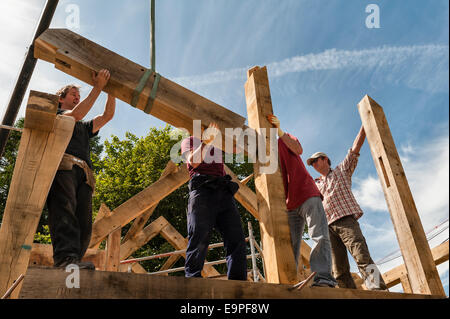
pixel 174 104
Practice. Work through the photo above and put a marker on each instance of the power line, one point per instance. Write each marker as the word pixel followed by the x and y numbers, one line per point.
pixel 397 252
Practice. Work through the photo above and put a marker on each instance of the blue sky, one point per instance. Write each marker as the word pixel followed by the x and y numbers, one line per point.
pixel 321 59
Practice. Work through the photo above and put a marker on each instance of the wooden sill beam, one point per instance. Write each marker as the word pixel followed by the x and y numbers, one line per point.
pixel 51 283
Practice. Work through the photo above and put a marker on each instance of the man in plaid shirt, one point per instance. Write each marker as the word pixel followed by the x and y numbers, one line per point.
pixel 342 213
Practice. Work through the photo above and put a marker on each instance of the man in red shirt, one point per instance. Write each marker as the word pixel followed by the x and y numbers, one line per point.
pixel 304 205
pixel 342 213
pixel 211 204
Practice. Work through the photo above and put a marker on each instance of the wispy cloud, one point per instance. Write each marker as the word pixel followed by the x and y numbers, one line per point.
pixel 401 65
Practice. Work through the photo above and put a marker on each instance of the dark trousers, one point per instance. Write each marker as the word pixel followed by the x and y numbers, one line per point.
pixel 212 205
pixel 69 206
pixel 345 233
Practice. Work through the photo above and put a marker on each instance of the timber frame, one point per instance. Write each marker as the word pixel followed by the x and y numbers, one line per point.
pixel 73 54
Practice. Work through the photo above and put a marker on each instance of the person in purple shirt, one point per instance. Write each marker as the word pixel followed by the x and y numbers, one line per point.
pixel 211 205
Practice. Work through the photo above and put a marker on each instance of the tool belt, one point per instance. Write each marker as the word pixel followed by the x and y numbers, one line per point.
pixel 67 163
pixel 213 182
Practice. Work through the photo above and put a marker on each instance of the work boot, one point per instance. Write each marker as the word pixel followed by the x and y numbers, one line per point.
pixel 75 261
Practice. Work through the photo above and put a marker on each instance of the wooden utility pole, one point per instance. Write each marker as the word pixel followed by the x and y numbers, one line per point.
pixel 422 272
pixel 44 139
pixel 275 234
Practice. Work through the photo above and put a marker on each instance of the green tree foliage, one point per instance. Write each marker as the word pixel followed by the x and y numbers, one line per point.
pixel 132 164
pixel 7 163
pixel 124 168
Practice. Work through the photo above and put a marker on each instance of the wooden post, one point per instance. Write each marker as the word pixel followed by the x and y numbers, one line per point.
pixel 44 140
pixel 413 243
pixel 142 238
pixel 112 256
pixel 275 234
pixel 404 280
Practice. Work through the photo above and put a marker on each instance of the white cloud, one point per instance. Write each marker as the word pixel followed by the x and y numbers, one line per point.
pixel 406 65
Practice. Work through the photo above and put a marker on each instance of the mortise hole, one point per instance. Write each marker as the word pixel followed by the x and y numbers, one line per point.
pixel 380 159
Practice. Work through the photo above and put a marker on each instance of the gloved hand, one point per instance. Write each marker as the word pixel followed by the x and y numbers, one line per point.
pixel 210 133
pixel 275 122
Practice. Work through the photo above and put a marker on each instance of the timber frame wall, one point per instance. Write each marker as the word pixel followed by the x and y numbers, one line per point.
pixel 46 136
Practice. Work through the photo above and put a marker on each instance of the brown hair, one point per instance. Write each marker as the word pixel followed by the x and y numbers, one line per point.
pixel 62 92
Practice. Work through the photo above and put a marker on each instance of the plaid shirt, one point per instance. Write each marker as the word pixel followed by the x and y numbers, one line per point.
pixel 336 189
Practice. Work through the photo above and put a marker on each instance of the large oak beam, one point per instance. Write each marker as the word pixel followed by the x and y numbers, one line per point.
pixel 413 243
pixel 42 145
pixel 278 256
pixel 174 104
pixel 51 283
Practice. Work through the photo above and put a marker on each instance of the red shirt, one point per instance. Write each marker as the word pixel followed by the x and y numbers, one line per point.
pixel 298 184
pixel 212 164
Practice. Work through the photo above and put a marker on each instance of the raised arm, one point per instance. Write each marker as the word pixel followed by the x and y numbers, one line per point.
pixel 82 108
pixel 292 144
pixel 359 140
pixel 100 120
pixel 195 157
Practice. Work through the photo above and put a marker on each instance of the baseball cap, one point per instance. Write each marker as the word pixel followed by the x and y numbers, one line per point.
pixel 314 156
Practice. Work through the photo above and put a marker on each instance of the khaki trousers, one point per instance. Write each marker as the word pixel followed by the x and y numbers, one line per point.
pixel 345 233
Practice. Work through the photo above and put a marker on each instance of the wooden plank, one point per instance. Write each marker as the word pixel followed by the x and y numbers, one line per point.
pixel 179 242
pixel 305 253
pixel 102 212
pixel 246 180
pixel 112 258
pixel 274 229
pixel 139 222
pixel 38 158
pixel 404 280
pixel 359 282
pixel 51 283
pixel 143 237
pixel 135 268
pixel 244 195
pixel 392 277
pixel 169 263
pixel 41 111
pixel 134 207
pixel 174 104
pixel 413 243
pixel 42 255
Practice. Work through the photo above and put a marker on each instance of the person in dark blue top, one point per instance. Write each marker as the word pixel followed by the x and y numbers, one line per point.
pixel 69 201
